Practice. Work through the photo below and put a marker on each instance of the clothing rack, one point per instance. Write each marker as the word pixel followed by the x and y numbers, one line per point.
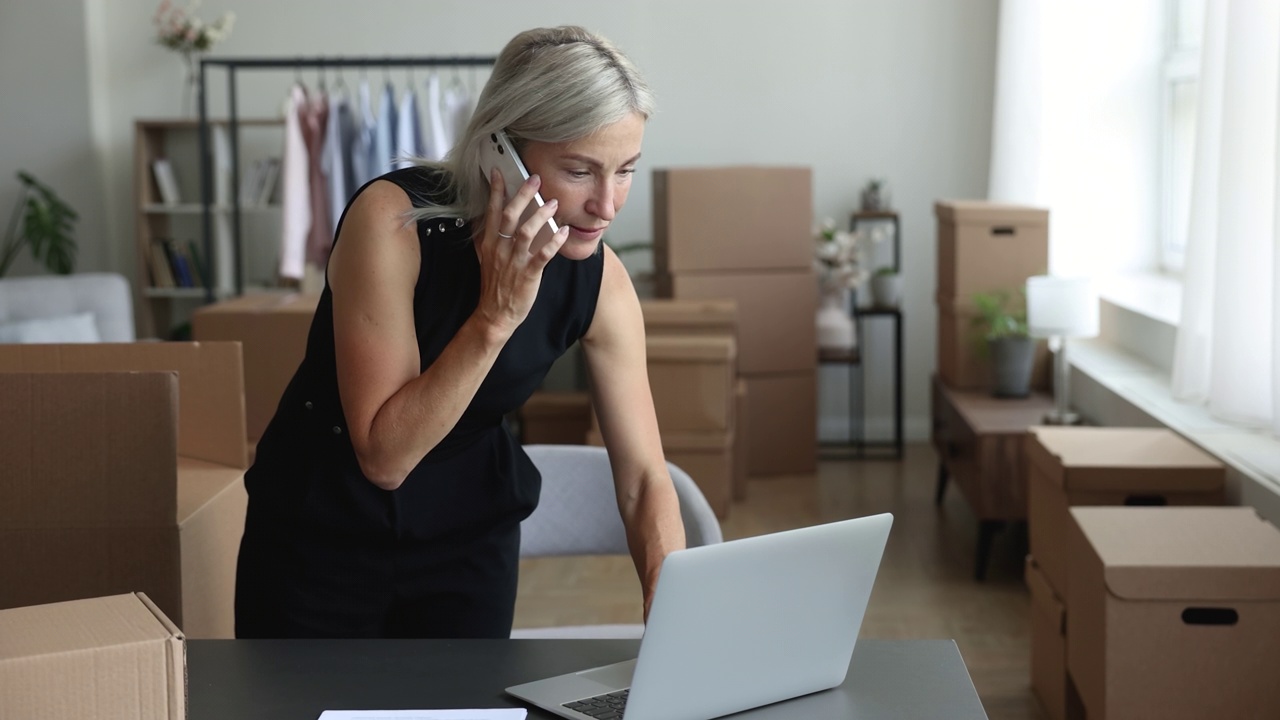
pixel 235 65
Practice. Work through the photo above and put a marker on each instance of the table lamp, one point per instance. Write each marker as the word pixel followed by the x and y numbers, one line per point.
pixel 1059 308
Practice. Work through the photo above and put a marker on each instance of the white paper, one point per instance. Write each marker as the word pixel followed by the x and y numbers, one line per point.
pixel 498 714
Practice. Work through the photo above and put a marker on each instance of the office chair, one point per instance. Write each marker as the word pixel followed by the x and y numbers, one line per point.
pixel 578 515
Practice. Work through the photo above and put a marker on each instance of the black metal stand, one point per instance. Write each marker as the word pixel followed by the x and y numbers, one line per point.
pixel 232 66
pixel 857 444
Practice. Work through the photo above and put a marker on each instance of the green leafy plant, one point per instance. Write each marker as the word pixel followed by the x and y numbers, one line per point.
pixel 42 220
pixel 1000 314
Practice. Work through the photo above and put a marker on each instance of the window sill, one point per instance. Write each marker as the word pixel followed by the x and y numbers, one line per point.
pixel 1104 371
pixel 1149 294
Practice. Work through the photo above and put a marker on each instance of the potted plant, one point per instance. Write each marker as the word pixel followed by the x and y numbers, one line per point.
pixel 1002 331
pixel 886 287
pixel 42 221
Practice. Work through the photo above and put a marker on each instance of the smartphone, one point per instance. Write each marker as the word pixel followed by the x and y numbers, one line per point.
pixel 498 152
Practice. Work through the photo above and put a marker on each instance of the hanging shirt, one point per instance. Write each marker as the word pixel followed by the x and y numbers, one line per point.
pixel 384 136
pixel 408 131
pixel 437 139
pixel 320 237
pixel 339 138
pixel 456 108
pixel 295 184
pixel 363 148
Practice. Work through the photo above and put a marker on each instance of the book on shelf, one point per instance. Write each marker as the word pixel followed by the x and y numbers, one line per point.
pixel 270 179
pixel 158 263
pixel 166 182
pixel 258 184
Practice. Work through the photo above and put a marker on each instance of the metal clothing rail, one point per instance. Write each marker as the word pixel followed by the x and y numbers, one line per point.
pixel 233 66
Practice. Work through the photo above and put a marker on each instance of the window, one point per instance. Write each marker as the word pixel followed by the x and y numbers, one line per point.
pixel 1179 95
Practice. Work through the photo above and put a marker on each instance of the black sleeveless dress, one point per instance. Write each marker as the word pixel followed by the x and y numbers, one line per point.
pixel 325 552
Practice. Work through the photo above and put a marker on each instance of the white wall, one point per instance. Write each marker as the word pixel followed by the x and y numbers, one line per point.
pixel 852 88
pixel 45 121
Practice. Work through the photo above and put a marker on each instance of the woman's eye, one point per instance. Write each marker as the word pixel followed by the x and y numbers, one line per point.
pixel 579 173
pixel 627 171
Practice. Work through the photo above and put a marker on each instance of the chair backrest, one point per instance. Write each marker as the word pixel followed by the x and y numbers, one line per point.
pixel 578 510
pixel 105 295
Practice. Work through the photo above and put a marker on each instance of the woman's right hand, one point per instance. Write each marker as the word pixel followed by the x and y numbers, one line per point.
pixel 510 274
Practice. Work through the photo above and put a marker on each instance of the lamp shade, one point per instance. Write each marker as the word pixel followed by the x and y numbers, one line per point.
pixel 1061 306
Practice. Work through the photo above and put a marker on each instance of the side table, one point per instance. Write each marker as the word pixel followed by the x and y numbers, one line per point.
pixel 980 439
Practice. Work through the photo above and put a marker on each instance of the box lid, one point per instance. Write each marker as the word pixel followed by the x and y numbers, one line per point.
pixel 690 314
pixel 1184 553
pixel 116 656
pixel 982 212
pixel 261 303
pixel 1135 459
pixel 718 348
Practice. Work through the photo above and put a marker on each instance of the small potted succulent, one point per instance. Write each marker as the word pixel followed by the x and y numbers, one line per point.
pixel 886 287
pixel 875 195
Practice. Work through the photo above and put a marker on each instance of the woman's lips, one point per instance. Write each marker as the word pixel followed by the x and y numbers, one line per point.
pixel 586 233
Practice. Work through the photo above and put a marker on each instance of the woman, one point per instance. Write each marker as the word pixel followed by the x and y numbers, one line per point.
pixel 386 494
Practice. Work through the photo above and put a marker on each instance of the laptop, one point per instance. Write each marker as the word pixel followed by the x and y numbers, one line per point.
pixel 736 625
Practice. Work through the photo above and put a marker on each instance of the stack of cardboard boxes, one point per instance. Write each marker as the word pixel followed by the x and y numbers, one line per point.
pixel 1148 602
pixel 691 353
pixel 984 247
pixel 743 233
pixel 124 470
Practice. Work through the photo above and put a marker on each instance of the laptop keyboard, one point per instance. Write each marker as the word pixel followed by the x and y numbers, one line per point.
pixel 602 707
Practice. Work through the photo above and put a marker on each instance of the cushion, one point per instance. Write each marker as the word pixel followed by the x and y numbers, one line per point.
pixel 78 328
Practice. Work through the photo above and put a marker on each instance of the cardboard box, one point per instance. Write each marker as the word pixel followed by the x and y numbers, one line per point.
pixel 1107 466
pixel 732 218
pixel 781 431
pixel 776 327
pixel 692 381
pixel 1174 613
pixel 555 418
pixel 127 479
pixel 1048 643
pixel 272 331
pixel 964 363
pixel 108 657
pixel 708 458
pixel 984 247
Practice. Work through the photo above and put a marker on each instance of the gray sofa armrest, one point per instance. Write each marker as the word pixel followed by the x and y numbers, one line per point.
pixel 106 295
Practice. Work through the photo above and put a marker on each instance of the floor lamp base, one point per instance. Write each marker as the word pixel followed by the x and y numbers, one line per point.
pixel 1053 417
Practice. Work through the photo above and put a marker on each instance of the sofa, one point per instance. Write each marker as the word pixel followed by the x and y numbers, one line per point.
pixel 85 307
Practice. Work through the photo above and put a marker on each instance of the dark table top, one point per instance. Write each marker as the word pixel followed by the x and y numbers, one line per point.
pixel 299 679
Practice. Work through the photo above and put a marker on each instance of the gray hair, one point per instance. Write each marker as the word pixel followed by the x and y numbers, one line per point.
pixel 548 85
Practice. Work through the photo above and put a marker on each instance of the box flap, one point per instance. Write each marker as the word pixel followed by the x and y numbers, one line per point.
pixel 1134 459
pixel 200 482
pixel 1040 459
pixel 964 212
pixel 1184 553
pixel 211 414
pixel 663 314
pixel 84 450
pixel 709 348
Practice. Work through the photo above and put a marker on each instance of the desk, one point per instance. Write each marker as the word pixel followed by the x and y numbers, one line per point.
pixel 298 679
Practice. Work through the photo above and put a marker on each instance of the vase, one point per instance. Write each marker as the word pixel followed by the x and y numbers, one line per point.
pixel 190 84
pixel 886 290
pixel 836 329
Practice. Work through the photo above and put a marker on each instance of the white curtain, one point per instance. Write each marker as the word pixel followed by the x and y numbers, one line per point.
pixel 1228 348
pixel 1077 106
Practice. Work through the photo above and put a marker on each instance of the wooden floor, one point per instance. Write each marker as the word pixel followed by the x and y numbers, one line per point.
pixel 925 588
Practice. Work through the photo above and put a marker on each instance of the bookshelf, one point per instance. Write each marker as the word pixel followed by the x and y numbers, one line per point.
pixel 171 268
